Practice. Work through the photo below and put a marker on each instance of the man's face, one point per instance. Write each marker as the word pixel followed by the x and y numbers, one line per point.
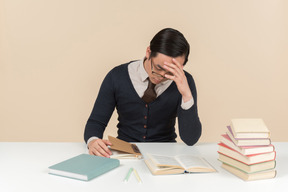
pixel 156 70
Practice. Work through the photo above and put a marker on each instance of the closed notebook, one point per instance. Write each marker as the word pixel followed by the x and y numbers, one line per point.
pixel 84 167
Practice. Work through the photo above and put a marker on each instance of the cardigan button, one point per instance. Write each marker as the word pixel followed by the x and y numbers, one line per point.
pixel 145 117
pixel 146 105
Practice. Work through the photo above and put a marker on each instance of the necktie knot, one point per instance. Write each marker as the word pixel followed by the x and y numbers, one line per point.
pixel 151 85
pixel 149 94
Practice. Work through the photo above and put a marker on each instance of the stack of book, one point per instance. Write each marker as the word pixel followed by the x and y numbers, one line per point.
pixel 246 150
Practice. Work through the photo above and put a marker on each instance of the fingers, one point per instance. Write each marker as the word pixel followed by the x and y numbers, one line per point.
pixel 172 77
pixel 107 142
pixel 174 68
pixel 177 63
pixel 179 77
pixel 99 147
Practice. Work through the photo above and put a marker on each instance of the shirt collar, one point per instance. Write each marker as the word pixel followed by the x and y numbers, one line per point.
pixel 142 71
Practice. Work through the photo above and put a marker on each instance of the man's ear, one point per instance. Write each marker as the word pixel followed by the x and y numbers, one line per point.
pixel 148 52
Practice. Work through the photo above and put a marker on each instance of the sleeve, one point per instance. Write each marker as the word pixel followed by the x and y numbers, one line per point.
pixel 102 110
pixel 189 124
pixel 188 104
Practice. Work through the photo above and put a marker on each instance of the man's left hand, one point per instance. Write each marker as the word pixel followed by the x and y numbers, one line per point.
pixel 179 78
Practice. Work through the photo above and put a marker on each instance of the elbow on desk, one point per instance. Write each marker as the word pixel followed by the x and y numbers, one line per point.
pixel 191 139
pixel 190 142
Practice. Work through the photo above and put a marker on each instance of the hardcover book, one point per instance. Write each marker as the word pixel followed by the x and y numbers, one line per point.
pixel 247 168
pixel 247 141
pixel 246 150
pixel 247 159
pixel 164 165
pixel 269 174
pixel 84 167
pixel 249 128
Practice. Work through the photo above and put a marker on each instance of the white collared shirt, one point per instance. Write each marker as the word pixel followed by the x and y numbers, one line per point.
pixel 139 78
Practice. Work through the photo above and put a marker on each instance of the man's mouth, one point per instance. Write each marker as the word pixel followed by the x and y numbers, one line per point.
pixel 157 80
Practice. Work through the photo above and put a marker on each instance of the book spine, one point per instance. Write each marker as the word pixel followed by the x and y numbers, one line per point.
pixel 247 159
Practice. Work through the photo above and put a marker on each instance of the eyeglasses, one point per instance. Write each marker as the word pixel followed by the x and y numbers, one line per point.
pixel 157 74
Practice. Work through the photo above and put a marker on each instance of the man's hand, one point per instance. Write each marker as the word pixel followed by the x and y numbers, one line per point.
pixel 99 147
pixel 179 78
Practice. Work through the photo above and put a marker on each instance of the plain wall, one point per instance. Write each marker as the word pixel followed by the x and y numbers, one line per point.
pixel 54 55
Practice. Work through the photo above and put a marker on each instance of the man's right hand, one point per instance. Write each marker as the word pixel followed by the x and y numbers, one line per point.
pixel 99 147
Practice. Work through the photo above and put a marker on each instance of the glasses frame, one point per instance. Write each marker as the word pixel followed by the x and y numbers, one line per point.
pixel 157 74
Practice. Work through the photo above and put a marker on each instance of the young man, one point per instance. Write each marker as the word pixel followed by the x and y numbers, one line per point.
pixel 148 94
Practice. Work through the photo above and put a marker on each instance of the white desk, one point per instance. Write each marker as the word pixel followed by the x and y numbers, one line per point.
pixel 24 167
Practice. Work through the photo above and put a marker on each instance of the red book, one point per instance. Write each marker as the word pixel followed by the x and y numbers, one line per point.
pixel 247 150
pixel 247 159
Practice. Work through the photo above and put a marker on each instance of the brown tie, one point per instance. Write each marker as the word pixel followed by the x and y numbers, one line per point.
pixel 149 94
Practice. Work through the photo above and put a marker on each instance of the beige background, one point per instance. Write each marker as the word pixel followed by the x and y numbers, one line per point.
pixel 55 54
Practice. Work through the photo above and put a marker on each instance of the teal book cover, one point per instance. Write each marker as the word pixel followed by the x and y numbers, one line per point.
pixel 84 167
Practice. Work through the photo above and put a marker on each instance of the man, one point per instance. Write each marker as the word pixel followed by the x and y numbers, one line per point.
pixel 148 94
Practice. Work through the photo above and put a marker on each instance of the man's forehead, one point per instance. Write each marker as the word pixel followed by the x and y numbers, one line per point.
pixel 161 58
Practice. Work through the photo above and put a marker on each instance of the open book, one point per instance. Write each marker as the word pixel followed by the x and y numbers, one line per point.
pixel 164 165
pixel 123 150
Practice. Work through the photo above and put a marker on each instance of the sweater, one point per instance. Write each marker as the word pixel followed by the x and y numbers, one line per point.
pixel 139 121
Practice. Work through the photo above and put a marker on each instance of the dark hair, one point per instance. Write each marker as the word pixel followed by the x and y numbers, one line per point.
pixel 170 42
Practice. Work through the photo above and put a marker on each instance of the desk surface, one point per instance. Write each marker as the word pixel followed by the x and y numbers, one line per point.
pixel 24 167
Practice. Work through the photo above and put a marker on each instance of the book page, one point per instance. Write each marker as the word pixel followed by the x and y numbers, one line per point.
pixel 156 168
pixel 160 160
pixel 189 161
pixel 123 155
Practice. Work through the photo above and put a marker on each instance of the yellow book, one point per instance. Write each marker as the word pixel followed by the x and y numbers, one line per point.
pixel 247 168
pixel 250 176
pixel 249 128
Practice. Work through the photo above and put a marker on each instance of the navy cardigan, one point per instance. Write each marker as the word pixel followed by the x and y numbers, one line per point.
pixel 138 121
